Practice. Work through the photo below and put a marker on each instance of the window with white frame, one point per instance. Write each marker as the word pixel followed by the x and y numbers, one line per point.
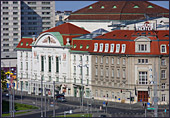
pixel 124 61
pixel 80 58
pixel 118 72
pixel 21 66
pixel 163 48
pixel 112 72
pixel 101 47
pixel 101 71
pixel 87 58
pixel 112 47
pixel 87 70
pixel 163 62
pixel 123 48
pixel 163 74
pixel 74 57
pixel 96 59
pixel 96 93
pixel 163 85
pixel 142 61
pixel 101 60
pixel 95 47
pixel 74 70
pixel 26 65
pixel 81 70
pixel 124 73
pixel 113 95
pixel 142 47
pixel 143 78
pixel 117 48
pixel 96 71
pixel 163 97
pixel 118 60
pixel 112 60
pixel 107 60
pixel 107 72
pixel 106 47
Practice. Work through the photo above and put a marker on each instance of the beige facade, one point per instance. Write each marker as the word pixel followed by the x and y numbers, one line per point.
pixel 111 74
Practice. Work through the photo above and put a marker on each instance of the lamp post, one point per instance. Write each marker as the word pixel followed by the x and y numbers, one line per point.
pixel 41 97
pixel 53 98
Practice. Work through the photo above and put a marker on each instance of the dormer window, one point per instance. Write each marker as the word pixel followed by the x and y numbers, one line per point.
pixel 87 47
pixel 117 48
pixel 142 47
pixel 114 6
pixel 95 47
pixel 102 7
pixel 142 44
pixel 27 44
pixel 106 47
pixel 136 6
pixel 21 43
pixel 123 48
pixel 166 35
pixel 163 48
pixel 112 47
pixel 75 45
pixel 150 6
pixel 90 7
pixel 81 46
pixel 101 47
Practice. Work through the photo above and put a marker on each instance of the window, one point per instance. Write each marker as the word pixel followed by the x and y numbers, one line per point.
pixel 106 47
pixel 5 7
pixel 81 46
pixel 57 65
pixel 96 93
pixel 163 85
pixel 142 61
pixel 118 60
pixel 101 60
pixel 75 80
pixel 15 23
pixel 102 7
pixel 96 59
pixel 26 65
pixel 81 72
pixel 107 60
pixel 6 50
pixel 21 54
pixel 163 97
pixel 101 93
pixel 143 78
pixel 150 6
pixel 101 71
pixel 163 62
pixel 80 58
pixel 42 77
pixel 15 2
pixel 74 57
pixel 49 64
pixel 146 61
pixel 57 79
pixel 15 34
pixel 44 8
pixel 15 8
pixel 45 3
pixel 114 6
pixel 90 7
pixel 107 72
pixel 101 47
pixel 50 78
pixel 117 48
pixel 5 2
pixel 5 45
pixel 118 73
pixel 96 71
pixel 74 70
pixel 124 73
pixel 32 3
pixel 124 61
pixel 163 48
pixel 111 47
pixel 75 46
pixel 87 70
pixel 87 47
pixel 142 47
pixel 5 34
pixel 136 6
pixel 87 81
pixel 5 18
pixel 5 13
pixel 112 72
pixel 15 13
pixel 42 63
pixel 163 74
pixel 87 58
pixel 21 66
pixel 15 29
pixel 5 39
pixel 112 60
pixel 123 48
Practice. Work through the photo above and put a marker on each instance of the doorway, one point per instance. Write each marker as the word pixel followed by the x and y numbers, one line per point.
pixel 142 96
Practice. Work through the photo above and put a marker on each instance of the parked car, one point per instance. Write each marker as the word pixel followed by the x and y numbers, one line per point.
pixel 60 98
pixel 102 115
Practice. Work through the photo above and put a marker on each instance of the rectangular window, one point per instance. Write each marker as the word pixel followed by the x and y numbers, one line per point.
pixel 95 47
pixel 80 58
pixel 96 59
pixel 163 62
pixel 44 8
pixel 107 60
pixel 143 78
pixel 124 73
pixel 163 74
pixel 113 95
pixel 26 65
pixel 163 48
pixel 101 47
pixel 96 93
pixel 101 71
pixel 112 72
pixel 142 47
pixel 107 72
pixel 146 61
pixel 123 48
pixel 49 64
pixel 87 71
pixel 117 48
pixel 49 79
pixel 124 61
pixel 96 71
pixel 106 47
pixel 74 70
pixel 57 79
pixel 74 57
pixel 163 85
pixel 87 58
pixel 118 60
pixel 75 80
pixel 81 72
pixel 112 60
pixel 118 73
pixel 45 3
pixel 57 65
pixel 112 47
pixel 163 97
pixel 21 66
pixel 101 60
pixel 87 81
pixel 42 63
pixel 42 77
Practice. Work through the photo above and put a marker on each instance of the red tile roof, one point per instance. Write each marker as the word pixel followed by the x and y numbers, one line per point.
pixel 118 37
pixel 68 28
pixel 124 11
pixel 25 43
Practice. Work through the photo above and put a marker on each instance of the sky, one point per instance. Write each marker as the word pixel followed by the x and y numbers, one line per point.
pixel 75 5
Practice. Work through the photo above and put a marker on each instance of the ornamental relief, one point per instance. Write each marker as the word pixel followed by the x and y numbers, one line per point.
pixel 49 40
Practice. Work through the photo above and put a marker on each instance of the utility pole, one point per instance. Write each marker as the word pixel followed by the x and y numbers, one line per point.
pixel 53 98
pixel 13 101
pixel 155 93
pixel 41 97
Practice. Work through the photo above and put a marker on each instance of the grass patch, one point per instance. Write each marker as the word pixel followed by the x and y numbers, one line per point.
pixel 77 115
pixel 4 115
pixel 24 107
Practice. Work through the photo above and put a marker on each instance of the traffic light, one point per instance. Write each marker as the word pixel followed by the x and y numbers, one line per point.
pixel 121 90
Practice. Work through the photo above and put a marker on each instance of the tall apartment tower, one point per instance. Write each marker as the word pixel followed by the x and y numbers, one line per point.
pixel 22 19
pixel 10 32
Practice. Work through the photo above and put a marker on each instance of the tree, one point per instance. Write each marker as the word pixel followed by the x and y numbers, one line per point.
pixel 3 80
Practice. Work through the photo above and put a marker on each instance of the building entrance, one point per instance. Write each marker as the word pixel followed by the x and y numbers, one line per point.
pixel 142 96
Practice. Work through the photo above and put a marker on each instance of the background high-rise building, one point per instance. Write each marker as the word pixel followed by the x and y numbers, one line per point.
pixel 22 19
